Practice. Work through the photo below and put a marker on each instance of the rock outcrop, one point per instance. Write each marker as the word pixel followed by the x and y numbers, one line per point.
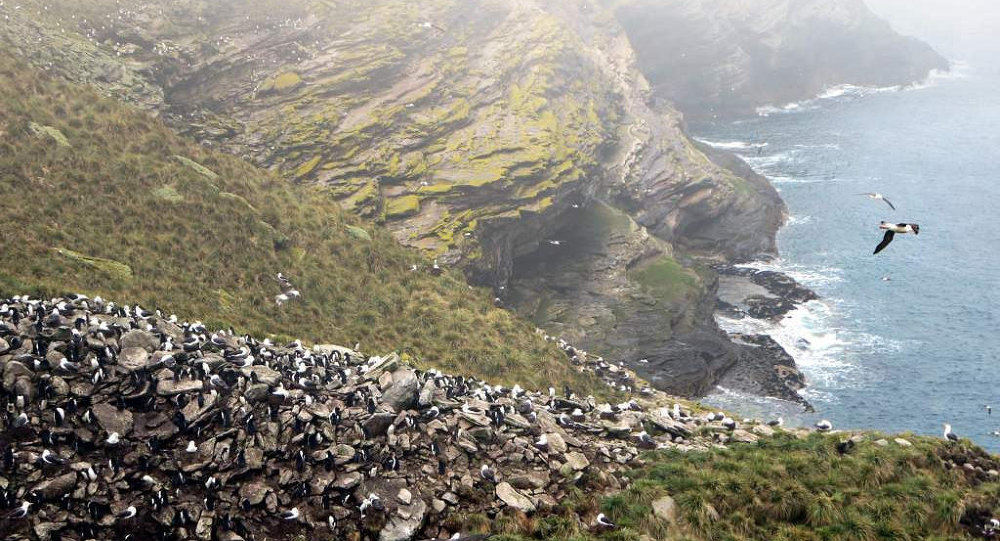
pixel 228 437
pixel 728 57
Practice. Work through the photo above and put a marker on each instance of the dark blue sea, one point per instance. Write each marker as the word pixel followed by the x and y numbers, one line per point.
pixel 922 346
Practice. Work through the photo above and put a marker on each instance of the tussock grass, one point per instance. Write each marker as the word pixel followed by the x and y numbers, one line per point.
pixel 788 488
pixel 132 212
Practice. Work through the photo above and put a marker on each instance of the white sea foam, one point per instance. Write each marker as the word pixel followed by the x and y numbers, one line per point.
pixel 732 145
pixel 957 70
pixel 810 275
pixel 770 160
pixel 798 220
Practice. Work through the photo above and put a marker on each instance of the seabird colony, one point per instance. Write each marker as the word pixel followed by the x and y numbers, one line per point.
pixel 120 420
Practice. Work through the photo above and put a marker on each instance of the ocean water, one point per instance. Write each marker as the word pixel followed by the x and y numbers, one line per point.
pixel 908 339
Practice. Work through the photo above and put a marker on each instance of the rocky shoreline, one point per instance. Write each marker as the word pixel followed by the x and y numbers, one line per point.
pixel 745 292
pixel 120 420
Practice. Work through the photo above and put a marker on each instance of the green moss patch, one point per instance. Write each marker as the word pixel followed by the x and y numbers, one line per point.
pixel 49 132
pixel 400 207
pixel 665 279
pixel 197 167
pixel 168 194
pixel 112 268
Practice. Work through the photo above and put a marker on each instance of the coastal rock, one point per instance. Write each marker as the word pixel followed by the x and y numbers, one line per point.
pixel 133 358
pixel 403 526
pixel 508 495
pixel 167 387
pixel 140 339
pixel 402 394
pixel 57 486
pixel 665 508
pixel 112 420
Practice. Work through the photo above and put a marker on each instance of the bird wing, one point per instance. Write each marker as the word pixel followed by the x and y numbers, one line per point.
pixel 885 241
pixel 887 202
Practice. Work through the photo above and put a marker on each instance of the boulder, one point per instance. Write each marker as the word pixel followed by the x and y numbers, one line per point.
pixel 577 461
pixel 113 420
pixel 665 509
pixel 402 394
pixel 169 387
pixel 140 339
pixel 405 523
pixel 556 443
pixel 57 486
pixel 510 496
pixel 133 358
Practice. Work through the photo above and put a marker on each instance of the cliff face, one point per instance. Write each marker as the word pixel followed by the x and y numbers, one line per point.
pixel 478 130
pixel 727 57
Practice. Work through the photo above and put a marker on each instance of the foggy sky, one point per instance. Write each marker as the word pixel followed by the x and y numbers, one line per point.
pixel 967 30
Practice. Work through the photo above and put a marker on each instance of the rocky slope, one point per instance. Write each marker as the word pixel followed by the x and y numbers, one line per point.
pixel 118 420
pixel 728 57
pixel 472 131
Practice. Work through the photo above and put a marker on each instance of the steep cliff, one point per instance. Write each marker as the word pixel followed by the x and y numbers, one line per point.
pixel 477 130
pixel 727 57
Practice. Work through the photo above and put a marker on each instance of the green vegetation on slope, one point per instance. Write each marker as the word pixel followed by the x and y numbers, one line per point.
pixel 134 213
pixel 666 279
pixel 791 488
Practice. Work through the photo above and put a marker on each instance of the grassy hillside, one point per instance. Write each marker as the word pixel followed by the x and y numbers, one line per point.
pixel 790 488
pixel 105 200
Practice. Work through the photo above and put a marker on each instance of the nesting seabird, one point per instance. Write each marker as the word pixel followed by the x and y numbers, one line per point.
pixel 291 514
pixel 128 513
pixel 21 511
pixel 875 196
pixel 891 230
pixel 113 439
pixel 486 473
pixel 603 522
pixel 542 443
pixel 948 434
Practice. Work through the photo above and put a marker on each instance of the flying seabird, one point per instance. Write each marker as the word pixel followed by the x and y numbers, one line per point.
pixel 824 426
pixel 891 230
pixel 875 196
pixel 948 434
pixel 777 422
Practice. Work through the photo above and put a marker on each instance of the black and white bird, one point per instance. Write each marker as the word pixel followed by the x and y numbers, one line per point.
pixel 291 514
pixel 602 522
pixel 824 426
pixel 542 443
pixel 486 473
pixel 875 196
pixel 127 513
pixel 948 434
pixel 48 457
pixel 891 230
pixel 21 511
